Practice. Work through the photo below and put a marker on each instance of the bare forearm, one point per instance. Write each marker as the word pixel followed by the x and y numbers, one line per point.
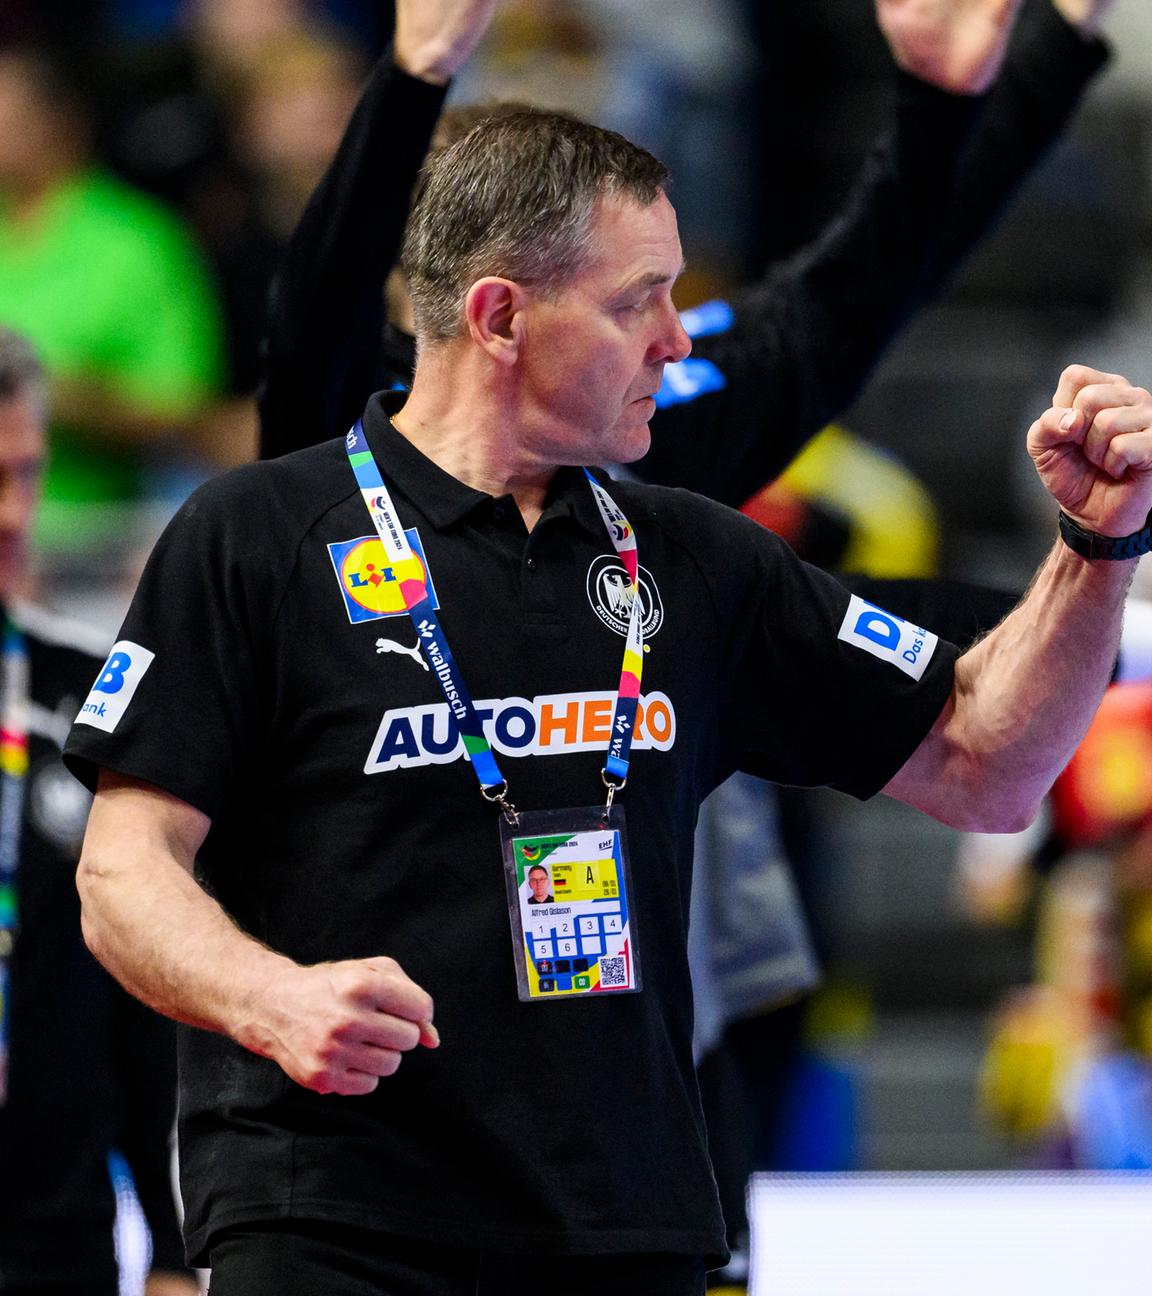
pixel 1024 698
pixel 168 942
pixel 333 1027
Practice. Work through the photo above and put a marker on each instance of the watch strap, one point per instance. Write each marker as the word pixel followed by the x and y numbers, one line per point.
pixel 1091 544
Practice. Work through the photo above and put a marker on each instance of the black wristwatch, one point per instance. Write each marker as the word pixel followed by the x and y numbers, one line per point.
pixel 1090 544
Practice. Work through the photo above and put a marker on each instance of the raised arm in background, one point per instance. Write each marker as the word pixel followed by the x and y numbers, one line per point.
pixel 797 347
pixel 327 312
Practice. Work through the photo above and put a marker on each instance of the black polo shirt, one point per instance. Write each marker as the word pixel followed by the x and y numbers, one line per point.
pixel 282 702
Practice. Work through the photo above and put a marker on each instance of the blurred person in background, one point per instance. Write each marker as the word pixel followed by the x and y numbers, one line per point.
pixel 292 107
pixel 114 294
pixel 231 115
pixel 674 77
pixel 287 110
pixel 83 1068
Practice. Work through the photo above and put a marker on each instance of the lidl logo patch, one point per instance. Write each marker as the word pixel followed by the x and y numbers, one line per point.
pixel 370 582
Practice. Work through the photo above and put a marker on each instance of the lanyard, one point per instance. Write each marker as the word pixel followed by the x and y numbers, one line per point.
pixel 434 646
pixel 13 772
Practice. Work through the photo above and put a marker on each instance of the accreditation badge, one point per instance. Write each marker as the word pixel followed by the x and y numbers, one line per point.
pixel 573 929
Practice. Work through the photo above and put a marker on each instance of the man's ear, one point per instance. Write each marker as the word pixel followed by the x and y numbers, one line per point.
pixel 493 309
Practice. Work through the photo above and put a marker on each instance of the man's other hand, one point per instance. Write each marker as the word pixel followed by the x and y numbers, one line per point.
pixel 166 1282
pixel 1093 450
pixel 435 37
pixel 957 45
pixel 1085 15
pixel 339 1027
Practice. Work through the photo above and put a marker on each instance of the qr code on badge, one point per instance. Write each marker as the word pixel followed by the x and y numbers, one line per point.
pixel 614 971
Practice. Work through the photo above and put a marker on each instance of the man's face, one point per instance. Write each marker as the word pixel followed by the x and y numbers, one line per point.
pixel 594 355
pixel 28 125
pixel 538 881
pixel 22 452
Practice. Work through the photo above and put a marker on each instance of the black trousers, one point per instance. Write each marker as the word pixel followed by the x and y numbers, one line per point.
pixel 312 1258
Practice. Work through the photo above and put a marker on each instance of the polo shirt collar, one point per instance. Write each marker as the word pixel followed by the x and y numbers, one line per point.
pixel 442 498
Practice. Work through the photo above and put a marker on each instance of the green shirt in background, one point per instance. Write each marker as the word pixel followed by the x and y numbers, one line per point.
pixel 109 286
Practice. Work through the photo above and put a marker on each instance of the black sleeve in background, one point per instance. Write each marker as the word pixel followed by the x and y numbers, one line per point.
pixel 955 610
pixel 1049 67
pixel 145 1055
pixel 806 338
pixel 327 308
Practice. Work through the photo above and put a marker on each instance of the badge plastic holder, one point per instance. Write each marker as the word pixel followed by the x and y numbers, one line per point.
pixel 570 903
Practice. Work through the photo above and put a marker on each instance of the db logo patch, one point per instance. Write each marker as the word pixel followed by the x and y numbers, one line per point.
pixel 611 597
pixel 908 647
pixel 115 685
pixel 370 582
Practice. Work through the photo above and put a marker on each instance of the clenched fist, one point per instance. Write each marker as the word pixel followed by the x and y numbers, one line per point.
pixel 339 1027
pixel 958 45
pixel 1093 450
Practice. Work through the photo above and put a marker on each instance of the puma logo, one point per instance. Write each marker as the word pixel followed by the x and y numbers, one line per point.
pixel 390 645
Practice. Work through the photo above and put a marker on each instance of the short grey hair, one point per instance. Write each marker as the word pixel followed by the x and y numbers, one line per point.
pixel 515 197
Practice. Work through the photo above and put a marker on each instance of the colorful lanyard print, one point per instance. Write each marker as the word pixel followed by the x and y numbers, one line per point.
pixel 13 772
pixel 434 646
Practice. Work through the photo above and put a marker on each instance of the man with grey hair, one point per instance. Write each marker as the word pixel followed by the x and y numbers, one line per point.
pixel 23 411
pixel 58 1007
pixel 272 791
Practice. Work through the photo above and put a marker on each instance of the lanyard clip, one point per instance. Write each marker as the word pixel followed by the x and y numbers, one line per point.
pixel 613 787
pixel 498 795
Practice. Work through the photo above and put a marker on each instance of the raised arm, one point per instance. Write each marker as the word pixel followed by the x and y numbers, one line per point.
pixel 1024 696
pixel 1055 53
pixel 327 307
pixel 796 348
pixel 332 1027
pixel 957 45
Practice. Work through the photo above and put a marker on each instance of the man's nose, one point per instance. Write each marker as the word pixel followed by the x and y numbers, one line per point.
pixel 15 505
pixel 682 345
pixel 674 343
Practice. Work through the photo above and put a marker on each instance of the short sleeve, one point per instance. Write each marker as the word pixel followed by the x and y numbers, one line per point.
pixel 178 699
pixel 828 689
